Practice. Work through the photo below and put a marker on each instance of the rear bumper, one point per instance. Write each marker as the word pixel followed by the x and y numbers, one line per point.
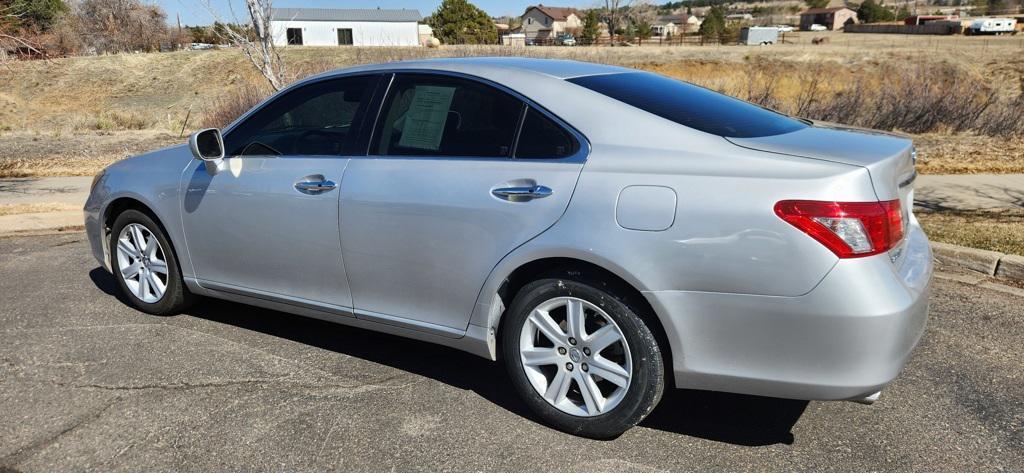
pixel 846 339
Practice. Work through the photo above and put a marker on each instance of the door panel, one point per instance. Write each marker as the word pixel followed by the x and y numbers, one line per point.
pixel 440 200
pixel 420 236
pixel 266 219
pixel 249 226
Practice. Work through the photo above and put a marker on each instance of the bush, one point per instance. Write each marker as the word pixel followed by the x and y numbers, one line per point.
pixel 913 99
pixel 232 105
pixel 121 121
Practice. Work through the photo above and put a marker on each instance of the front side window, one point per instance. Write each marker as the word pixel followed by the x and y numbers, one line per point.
pixel 433 115
pixel 690 105
pixel 315 119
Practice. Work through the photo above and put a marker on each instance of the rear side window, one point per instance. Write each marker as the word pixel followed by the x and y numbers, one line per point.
pixel 431 115
pixel 690 105
pixel 541 138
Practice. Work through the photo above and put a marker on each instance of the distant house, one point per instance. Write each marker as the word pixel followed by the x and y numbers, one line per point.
pixel 925 19
pixel 672 25
pixel 542 22
pixel 834 18
pixel 665 26
pixel 345 27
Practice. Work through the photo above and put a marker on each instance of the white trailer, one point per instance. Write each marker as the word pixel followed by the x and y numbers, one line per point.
pixel 993 26
pixel 759 35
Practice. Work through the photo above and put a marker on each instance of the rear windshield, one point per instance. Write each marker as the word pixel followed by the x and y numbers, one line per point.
pixel 690 105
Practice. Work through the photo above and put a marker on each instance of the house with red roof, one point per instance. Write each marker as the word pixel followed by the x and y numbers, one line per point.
pixel 541 22
pixel 834 18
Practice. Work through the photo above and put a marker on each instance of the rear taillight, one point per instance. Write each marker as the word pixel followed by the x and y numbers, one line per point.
pixel 849 229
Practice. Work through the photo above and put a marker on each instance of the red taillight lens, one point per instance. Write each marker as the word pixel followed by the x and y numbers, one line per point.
pixel 849 229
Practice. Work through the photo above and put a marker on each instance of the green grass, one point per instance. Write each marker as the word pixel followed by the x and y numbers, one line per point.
pixel 1002 232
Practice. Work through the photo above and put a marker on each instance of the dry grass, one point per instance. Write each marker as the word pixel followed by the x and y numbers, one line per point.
pixel 969 154
pixel 1003 232
pixel 16 209
pixel 150 94
pixel 84 153
pixel 225 109
pixel 113 120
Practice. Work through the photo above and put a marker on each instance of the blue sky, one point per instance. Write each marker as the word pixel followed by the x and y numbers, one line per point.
pixel 193 12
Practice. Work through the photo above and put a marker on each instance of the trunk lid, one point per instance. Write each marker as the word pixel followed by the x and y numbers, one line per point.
pixel 889 158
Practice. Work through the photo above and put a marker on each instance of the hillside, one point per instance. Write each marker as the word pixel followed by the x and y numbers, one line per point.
pixel 92 110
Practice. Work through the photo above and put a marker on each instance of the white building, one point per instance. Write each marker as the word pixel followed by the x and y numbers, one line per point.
pixel 349 27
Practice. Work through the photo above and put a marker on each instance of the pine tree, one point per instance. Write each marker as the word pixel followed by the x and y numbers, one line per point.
pixel 714 23
pixel 461 22
pixel 591 27
pixel 39 15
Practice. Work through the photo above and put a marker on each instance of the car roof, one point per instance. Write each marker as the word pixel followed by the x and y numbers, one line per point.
pixel 495 67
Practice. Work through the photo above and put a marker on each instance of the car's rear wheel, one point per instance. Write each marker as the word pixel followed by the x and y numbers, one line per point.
pixel 581 358
pixel 145 265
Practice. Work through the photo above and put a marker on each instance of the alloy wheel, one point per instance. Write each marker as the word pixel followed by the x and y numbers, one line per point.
pixel 142 263
pixel 575 356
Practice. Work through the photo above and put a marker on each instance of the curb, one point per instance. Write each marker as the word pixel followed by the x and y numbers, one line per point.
pixel 39 222
pixel 987 263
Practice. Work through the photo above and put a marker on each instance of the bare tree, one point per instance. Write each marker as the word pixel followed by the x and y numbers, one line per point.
pixel 642 15
pixel 614 15
pixel 117 26
pixel 10 38
pixel 258 46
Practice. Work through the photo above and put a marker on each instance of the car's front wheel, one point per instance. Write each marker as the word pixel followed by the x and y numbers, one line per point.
pixel 145 265
pixel 581 358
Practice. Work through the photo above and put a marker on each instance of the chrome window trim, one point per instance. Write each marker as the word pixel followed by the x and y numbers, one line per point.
pixel 519 129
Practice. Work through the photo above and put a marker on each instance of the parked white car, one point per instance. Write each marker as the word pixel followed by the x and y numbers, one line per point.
pixel 817 27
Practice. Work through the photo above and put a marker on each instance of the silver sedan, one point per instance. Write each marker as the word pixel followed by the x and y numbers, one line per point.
pixel 605 233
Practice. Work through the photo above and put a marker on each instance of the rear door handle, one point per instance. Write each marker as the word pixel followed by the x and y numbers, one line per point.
pixel 313 187
pixel 522 194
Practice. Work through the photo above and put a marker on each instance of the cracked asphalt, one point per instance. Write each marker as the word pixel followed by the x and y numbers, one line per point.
pixel 86 383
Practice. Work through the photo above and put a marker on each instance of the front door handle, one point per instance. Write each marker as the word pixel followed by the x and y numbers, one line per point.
pixel 314 187
pixel 522 194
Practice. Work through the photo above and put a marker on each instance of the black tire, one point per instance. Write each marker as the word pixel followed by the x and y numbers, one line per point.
pixel 647 381
pixel 176 297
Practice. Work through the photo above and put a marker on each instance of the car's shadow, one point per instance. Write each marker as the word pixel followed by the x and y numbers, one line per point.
pixel 730 418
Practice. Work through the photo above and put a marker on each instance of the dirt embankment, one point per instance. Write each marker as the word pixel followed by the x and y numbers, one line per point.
pixel 73 116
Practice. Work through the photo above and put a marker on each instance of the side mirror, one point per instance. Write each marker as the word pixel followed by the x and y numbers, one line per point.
pixel 207 144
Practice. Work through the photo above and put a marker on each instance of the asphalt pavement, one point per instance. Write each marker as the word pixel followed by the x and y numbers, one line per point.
pixel 87 383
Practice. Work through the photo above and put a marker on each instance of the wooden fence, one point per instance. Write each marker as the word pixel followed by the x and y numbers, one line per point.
pixel 678 40
pixel 934 27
